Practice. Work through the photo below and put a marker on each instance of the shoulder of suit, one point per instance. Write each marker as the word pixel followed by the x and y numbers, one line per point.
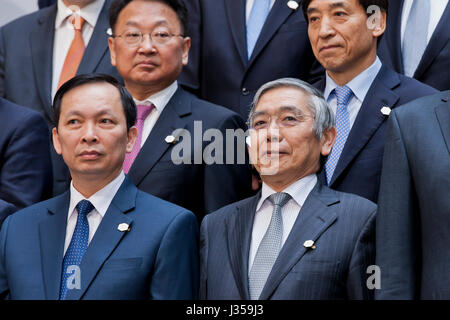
pixel 15 114
pixel 150 206
pixel 231 208
pixel 421 106
pixel 28 20
pixel 354 206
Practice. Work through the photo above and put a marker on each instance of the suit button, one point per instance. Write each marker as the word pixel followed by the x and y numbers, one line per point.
pixel 245 92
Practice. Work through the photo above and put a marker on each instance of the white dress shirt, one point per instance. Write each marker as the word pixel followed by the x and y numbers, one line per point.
pixel 437 8
pixel 360 85
pixel 64 34
pixel 100 200
pixel 299 191
pixel 249 7
pixel 160 100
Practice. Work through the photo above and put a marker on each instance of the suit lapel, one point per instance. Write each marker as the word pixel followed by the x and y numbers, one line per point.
pixel 443 116
pixel 369 117
pixel 235 11
pixel 438 40
pixel 52 233
pixel 107 237
pixel 278 14
pixel 316 215
pixel 98 44
pixel 155 146
pixel 239 231
pixel 41 44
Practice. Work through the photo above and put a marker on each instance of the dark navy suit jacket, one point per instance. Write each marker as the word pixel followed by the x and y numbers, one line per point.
pixel 434 68
pixel 341 225
pixel 156 259
pixel 26 60
pixel 201 188
pixel 358 170
pixel 218 64
pixel 413 238
pixel 25 170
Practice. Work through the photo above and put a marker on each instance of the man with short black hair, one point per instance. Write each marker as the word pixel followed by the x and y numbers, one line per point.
pixel 42 50
pixel 359 88
pixel 102 239
pixel 149 47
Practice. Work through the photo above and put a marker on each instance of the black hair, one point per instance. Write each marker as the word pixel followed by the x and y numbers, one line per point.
pixel 129 107
pixel 382 4
pixel 177 5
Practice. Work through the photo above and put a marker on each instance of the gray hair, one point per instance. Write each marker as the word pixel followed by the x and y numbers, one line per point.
pixel 323 115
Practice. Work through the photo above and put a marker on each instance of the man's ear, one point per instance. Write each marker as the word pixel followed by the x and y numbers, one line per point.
pixel 56 142
pixel 327 141
pixel 132 137
pixel 377 21
pixel 112 50
pixel 186 47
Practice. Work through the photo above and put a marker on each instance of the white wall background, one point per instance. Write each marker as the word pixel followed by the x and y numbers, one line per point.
pixel 12 9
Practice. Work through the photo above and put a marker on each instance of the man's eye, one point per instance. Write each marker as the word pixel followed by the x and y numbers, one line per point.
pixel 313 19
pixel 132 35
pixel 339 13
pixel 73 121
pixel 259 123
pixel 107 121
pixel 161 34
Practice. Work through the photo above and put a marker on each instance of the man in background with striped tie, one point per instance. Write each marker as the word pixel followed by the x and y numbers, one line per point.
pixel 359 88
pixel 296 239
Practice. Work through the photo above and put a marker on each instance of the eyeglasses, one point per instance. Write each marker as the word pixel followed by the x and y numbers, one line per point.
pixel 134 37
pixel 283 120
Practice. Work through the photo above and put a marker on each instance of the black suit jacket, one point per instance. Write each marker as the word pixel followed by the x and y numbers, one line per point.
pixel 413 238
pixel 434 68
pixel 341 226
pixel 218 66
pixel 26 63
pixel 25 170
pixel 358 170
pixel 201 188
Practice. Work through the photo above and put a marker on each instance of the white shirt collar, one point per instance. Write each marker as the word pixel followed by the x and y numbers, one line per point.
pixel 299 190
pixel 161 98
pixel 89 13
pixel 359 85
pixel 101 199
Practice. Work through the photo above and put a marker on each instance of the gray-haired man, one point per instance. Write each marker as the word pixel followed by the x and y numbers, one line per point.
pixel 296 239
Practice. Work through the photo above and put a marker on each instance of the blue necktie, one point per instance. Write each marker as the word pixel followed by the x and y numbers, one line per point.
pixel 415 39
pixel 255 23
pixel 343 95
pixel 78 244
pixel 269 248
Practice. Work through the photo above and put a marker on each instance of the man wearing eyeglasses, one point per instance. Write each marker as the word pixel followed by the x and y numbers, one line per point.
pixel 149 47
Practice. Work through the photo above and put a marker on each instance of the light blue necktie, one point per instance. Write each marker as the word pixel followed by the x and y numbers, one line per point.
pixel 255 23
pixel 416 35
pixel 269 248
pixel 343 95
pixel 78 244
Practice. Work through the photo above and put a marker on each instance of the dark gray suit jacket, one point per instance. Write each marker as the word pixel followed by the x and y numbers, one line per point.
pixel 201 188
pixel 340 224
pixel 413 237
pixel 26 63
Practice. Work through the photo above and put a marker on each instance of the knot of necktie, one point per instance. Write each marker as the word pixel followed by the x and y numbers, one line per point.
pixel 77 21
pixel 84 207
pixel 279 199
pixel 143 111
pixel 343 95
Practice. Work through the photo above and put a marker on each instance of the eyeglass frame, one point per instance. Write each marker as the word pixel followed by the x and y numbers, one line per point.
pixel 171 35
pixel 300 116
